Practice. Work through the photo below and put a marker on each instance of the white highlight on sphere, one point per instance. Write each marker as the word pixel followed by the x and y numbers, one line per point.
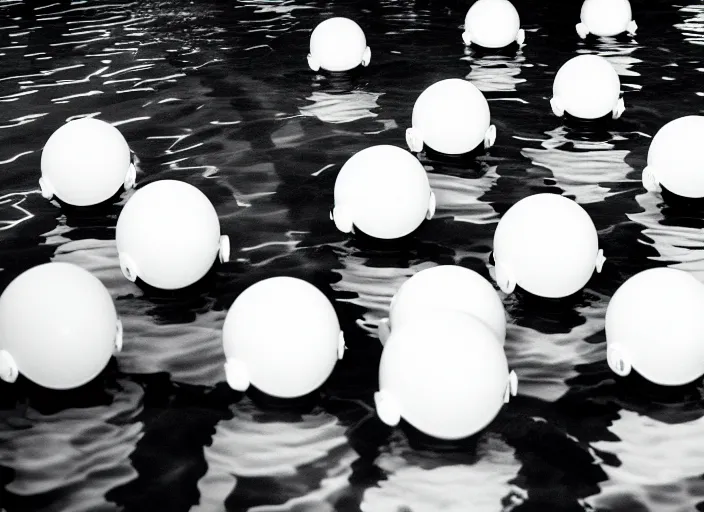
pixel 338 44
pixel 548 245
pixel 85 162
pixel 654 325
pixel 606 18
pixel 445 373
pixel 168 235
pixel 587 87
pixel 383 191
pixel 281 335
pixel 676 158
pixel 492 24
pixel 448 287
pixel 452 117
pixel 58 326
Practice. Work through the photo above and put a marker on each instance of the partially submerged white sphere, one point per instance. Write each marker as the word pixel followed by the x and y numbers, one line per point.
pixel 492 24
pixel 606 18
pixel 85 162
pixel 282 336
pixel 168 235
pixel 445 374
pixel 676 158
pixel 452 117
pixel 654 325
pixel 546 244
pixel 338 44
pixel 383 191
pixel 58 326
pixel 587 87
pixel 448 287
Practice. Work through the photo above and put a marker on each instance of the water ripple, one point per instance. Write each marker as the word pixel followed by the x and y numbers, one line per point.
pixel 660 464
pixel 341 108
pixel 219 94
pixel 79 453
pixel 258 446
pixel 678 240
pixel 451 487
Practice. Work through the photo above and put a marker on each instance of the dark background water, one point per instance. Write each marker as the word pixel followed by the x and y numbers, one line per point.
pixel 219 94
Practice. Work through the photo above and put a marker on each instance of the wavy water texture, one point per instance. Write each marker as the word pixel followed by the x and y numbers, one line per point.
pixel 78 454
pixel 219 94
pixel 496 73
pixel 255 445
pixel 190 351
pixel 588 170
pixel 451 487
pixel 681 246
pixel 660 464
pixel 341 108
pixel 692 26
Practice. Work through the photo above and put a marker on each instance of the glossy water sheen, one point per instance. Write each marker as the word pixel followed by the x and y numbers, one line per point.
pixel 219 94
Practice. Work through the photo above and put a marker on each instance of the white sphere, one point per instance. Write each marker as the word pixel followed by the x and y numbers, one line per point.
pixel 58 326
pixel 606 17
pixel 654 324
pixel 587 87
pixel 444 373
pixel 168 235
pixel 451 116
pixel 676 157
pixel 492 23
pixel 448 287
pixel 546 244
pixel 384 191
pixel 281 335
pixel 338 44
pixel 85 162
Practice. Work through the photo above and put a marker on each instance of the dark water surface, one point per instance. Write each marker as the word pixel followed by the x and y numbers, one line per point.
pixel 219 94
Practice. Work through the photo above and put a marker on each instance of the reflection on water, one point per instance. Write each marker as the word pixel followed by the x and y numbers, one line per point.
pixel 496 73
pixel 585 169
pixel 55 454
pixel 620 56
pixel 220 95
pixel 459 198
pixel 692 24
pixel 677 236
pixel 257 458
pixel 411 485
pixel 659 464
pixel 544 360
pixel 341 108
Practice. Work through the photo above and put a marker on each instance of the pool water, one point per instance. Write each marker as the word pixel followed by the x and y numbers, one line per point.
pixel 219 94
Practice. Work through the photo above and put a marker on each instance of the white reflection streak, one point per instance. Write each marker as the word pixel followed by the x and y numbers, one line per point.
pixel 692 28
pixel 58 83
pixel 178 138
pixel 160 79
pixel 316 173
pixel 42 7
pixel 10 160
pixel 104 32
pixel 16 96
pixel 131 120
pixel 103 24
pixel 10 224
pixel 169 152
pixel 81 95
pixel 95 39
pixel 135 90
pixel 110 82
pixel 127 70
pixel 204 64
